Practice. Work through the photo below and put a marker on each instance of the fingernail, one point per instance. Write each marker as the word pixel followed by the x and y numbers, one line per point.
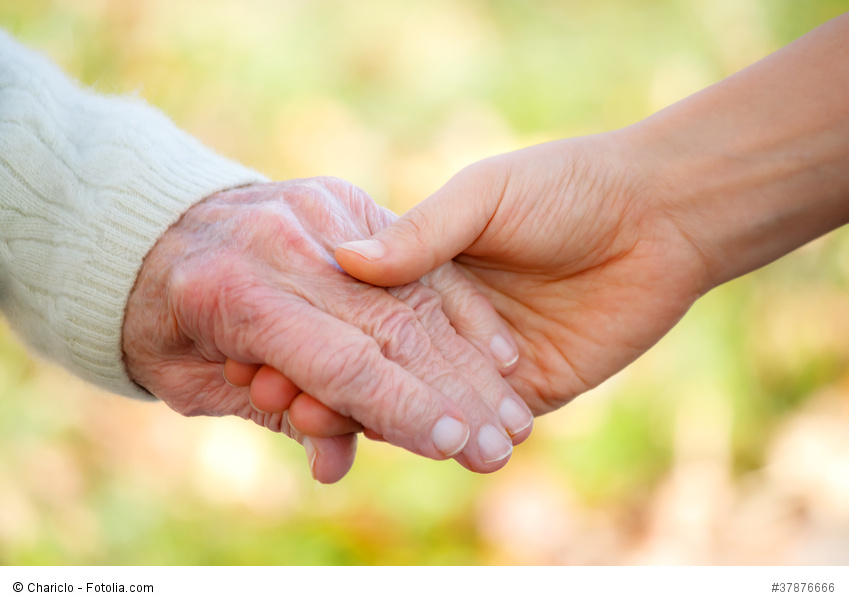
pixel 252 403
pixel 515 417
pixel 493 444
pixel 449 435
pixel 311 453
pixel 372 250
pixel 504 353
pixel 226 380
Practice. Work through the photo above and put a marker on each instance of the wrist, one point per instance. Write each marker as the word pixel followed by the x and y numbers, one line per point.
pixel 758 164
pixel 694 189
pixel 744 201
pixel 651 186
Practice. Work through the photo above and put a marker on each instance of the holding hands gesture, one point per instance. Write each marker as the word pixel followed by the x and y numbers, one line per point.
pixel 563 242
pixel 249 275
pixel 524 281
pixel 591 249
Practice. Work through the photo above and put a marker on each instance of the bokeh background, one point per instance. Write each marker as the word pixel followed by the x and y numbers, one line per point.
pixel 727 444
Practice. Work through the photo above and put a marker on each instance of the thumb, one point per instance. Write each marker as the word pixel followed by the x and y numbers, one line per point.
pixel 431 233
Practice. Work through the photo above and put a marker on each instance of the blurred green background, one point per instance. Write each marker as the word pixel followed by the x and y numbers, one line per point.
pixel 728 443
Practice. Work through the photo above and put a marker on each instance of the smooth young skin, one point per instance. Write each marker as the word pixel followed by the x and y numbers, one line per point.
pixel 561 239
pixel 249 275
pixel 593 248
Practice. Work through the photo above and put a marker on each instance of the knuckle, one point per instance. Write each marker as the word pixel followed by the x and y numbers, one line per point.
pixel 400 335
pixel 305 194
pixel 274 231
pixel 426 305
pixel 334 186
pixel 303 225
pixel 425 302
pixel 419 227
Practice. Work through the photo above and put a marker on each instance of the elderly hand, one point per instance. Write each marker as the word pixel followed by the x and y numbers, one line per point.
pixel 249 275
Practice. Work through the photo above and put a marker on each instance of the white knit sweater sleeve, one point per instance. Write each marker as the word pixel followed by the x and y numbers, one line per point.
pixel 88 184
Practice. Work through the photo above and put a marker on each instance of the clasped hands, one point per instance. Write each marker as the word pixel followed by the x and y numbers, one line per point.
pixel 527 279
pixel 563 277
pixel 249 276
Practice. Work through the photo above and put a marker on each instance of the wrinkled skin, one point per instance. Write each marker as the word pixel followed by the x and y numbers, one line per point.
pixel 249 275
pixel 593 248
pixel 570 242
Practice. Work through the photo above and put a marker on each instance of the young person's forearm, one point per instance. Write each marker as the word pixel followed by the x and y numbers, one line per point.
pixel 758 164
